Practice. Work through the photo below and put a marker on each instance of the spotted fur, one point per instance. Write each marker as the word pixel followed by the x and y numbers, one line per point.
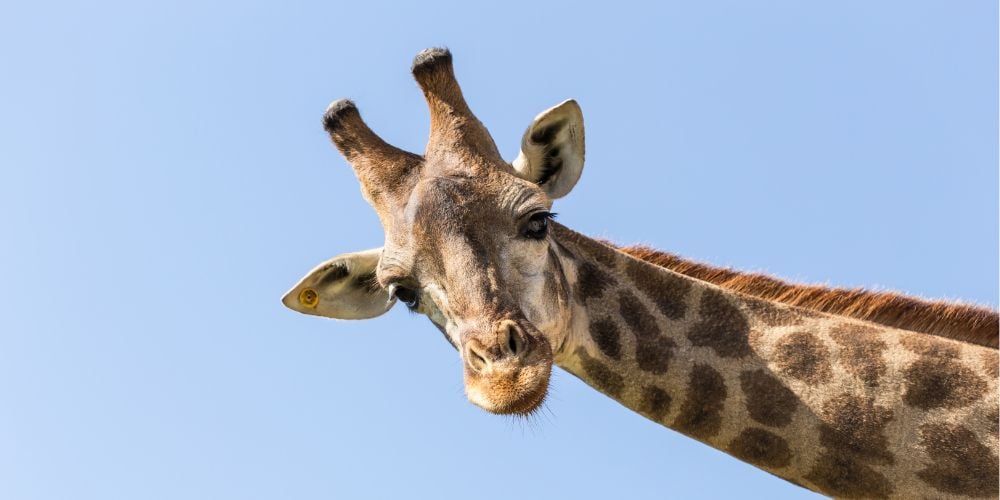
pixel 965 322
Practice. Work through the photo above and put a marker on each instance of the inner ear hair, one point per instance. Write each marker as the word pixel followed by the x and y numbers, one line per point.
pixel 546 134
pixel 551 161
pixel 551 164
pixel 368 282
pixel 336 272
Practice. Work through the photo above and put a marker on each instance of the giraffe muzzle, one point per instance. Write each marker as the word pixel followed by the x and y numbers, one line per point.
pixel 507 368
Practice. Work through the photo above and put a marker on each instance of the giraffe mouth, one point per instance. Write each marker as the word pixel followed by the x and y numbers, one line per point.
pixel 520 392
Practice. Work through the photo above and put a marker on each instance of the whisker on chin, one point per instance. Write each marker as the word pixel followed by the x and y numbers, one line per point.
pixel 527 422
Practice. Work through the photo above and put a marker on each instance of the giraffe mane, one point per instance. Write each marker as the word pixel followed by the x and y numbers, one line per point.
pixel 963 322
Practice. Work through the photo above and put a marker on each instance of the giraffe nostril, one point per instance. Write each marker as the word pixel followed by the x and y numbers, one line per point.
pixel 478 362
pixel 512 341
pixel 475 358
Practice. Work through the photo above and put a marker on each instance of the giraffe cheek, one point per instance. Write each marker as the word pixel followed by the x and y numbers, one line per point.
pixel 547 307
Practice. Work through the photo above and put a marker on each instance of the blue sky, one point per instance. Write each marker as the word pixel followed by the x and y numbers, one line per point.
pixel 165 179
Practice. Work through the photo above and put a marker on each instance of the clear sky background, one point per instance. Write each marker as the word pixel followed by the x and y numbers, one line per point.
pixel 164 178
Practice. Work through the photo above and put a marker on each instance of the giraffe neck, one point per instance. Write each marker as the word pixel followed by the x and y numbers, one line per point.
pixel 843 407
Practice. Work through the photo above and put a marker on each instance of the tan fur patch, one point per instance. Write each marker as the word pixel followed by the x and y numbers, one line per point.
pixel 967 323
pixel 861 351
pixel 701 412
pixel 960 465
pixel 762 448
pixel 754 337
pixel 991 364
pixel 929 346
pixel 772 314
pixel 802 356
pixel 768 400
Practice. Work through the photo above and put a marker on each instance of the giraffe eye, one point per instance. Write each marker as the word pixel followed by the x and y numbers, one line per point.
pixel 538 225
pixel 407 296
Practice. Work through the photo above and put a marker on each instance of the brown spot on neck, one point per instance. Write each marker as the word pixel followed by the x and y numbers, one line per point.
pixel 604 332
pixel 852 433
pixel 933 382
pixel 668 291
pixel 761 447
pixel 802 356
pixel 722 326
pixel 701 411
pixel 768 400
pixel 652 351
pixel 861 351
pixel 855 425
pixel 599 375
pixel 840 475
pixel 960 464
pixel 655 403
pixel 591 281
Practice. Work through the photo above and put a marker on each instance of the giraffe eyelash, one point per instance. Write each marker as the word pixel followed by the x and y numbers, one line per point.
pixel 536 228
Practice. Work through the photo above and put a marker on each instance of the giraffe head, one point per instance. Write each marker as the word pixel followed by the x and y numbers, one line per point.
pixel 466 238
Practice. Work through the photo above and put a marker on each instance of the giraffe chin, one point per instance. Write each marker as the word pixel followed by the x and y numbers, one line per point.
pixel 519 391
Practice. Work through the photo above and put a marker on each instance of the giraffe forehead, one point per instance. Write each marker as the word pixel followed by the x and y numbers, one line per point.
pixel 457 220
pixel 439 206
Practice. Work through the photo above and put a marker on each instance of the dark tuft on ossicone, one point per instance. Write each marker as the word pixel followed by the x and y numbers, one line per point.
pixel 336 112
pixel 429 59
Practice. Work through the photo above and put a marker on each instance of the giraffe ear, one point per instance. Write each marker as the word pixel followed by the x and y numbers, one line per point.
pixel 343 287
pixel 552 149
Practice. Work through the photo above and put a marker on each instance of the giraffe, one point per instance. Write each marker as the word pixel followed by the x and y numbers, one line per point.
pixel 836 399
